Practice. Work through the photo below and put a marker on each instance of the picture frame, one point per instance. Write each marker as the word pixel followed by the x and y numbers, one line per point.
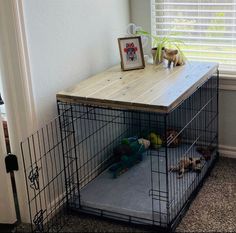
pixel 131 53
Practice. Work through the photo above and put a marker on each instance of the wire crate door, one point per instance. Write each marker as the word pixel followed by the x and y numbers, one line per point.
pixel 49 157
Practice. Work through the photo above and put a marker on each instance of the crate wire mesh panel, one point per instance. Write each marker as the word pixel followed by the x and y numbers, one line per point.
pixel 44 158
pixel 68 160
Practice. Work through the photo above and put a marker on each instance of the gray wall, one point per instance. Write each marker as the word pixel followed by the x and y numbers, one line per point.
pixel 227 118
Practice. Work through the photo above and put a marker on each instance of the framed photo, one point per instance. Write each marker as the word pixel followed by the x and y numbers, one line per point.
pixel 131 53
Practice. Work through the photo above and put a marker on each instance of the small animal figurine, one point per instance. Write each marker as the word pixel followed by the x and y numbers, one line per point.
pixel 206 152
pixel 173 55
pixel 155 140
pixel 173 139
pixel 187 164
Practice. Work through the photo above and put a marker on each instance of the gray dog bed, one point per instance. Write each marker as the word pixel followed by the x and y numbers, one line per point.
pixel 129 194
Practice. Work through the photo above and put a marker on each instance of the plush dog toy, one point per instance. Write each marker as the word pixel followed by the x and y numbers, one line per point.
pixel 206 152
pixel 173 138
pixel 187 164
pixel 173 55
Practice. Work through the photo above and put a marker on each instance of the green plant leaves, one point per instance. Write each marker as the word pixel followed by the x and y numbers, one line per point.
pixel 160 42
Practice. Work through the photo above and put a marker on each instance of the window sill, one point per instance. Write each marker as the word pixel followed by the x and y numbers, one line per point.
pixel 227 82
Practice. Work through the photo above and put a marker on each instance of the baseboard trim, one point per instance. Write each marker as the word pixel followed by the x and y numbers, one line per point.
pixel 227 151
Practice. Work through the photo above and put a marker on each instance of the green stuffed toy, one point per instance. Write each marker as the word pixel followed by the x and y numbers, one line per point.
pixel 127 154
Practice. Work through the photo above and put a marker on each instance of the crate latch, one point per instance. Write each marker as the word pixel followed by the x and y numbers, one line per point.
pixel 11 163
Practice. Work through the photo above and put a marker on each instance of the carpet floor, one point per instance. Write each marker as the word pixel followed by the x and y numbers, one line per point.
pixel 213 210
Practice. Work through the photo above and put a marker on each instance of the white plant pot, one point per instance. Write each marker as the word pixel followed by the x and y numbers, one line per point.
pixel 156 60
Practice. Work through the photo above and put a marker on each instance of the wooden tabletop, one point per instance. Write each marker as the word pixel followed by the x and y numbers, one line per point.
pixel 155 88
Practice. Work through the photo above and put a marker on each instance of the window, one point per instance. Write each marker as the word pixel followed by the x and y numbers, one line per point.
pixel 207 27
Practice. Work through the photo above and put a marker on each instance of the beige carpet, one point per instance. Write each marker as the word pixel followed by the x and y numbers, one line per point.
pixel 214 208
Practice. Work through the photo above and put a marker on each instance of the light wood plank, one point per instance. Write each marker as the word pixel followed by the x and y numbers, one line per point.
pixel 154 88
pixel 184 89
pixel 92 84
pixel 122 83
pixel 130 93
pixel 171 85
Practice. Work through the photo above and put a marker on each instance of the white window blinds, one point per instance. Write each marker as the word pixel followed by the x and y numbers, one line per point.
pixel 207 27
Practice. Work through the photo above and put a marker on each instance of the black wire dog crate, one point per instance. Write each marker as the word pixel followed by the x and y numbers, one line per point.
pixel 73 164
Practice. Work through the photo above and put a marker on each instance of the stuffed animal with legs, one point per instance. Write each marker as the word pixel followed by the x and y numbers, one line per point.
pixel 187 164
pixel 173 55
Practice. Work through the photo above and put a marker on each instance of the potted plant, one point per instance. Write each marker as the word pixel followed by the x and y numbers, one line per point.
pixel 158 43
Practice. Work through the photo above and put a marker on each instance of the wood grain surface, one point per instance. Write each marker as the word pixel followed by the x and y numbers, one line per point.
pixel 155 88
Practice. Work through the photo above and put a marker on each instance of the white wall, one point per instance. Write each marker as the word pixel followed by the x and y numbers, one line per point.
pixel 70 40
pixel 140 11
